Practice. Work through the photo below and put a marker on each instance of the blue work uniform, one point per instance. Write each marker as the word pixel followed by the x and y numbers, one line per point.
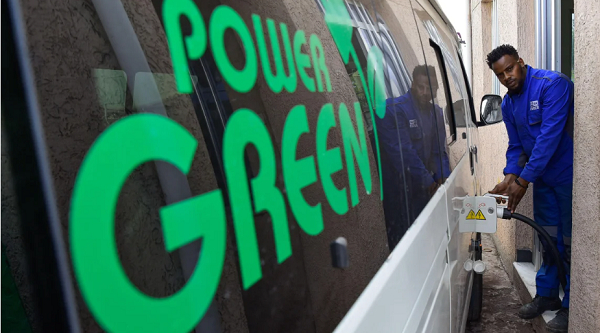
pixel 413 143
pixel 539 122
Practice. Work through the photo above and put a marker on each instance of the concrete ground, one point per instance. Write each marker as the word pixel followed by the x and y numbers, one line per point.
pixel 500 299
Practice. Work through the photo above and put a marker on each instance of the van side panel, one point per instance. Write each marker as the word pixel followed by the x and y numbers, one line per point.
pixel 388 302
pixel 443 291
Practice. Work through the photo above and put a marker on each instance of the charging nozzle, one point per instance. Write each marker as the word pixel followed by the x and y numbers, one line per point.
pixel 503 213
pixel 497 196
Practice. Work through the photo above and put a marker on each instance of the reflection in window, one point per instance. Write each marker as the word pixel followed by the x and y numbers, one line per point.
pixel 414 158
pixel 457 101
pixel 396 72
pixel 420 152
pixel 111 90
pixel 369 33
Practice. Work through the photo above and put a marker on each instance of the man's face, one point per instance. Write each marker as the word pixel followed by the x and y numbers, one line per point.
pixel 511 72
pixel 420 89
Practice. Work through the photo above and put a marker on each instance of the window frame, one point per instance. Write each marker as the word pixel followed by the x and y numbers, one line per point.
pixel 450 106
pixel 46 257
pixel 476 122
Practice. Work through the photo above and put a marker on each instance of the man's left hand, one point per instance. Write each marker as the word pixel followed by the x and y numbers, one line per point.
pixel 516 193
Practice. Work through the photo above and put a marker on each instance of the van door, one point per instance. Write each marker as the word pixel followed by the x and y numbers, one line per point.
pixel 411 292
pixel 440 48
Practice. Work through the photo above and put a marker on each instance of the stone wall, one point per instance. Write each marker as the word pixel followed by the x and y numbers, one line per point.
pixel 585 290
pixel 585 269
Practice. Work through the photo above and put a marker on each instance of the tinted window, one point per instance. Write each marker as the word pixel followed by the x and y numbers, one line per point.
pixel 457 85
pixel 408 134
pixel 453 144
pixel 280 164
pixel 221 167
pixel 411 133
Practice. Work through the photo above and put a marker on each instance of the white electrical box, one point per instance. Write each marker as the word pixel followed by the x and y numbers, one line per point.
pixel 477 214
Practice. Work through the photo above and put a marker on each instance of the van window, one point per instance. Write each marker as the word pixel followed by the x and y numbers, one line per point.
pixel 458 88
pixel 455 143
pixel 280 160
pixel 417 116
pixel 222 167
pixel 16 284
pixel 407 134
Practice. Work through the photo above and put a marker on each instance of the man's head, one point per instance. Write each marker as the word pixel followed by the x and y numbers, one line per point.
pixel 420 85
pixel 508 67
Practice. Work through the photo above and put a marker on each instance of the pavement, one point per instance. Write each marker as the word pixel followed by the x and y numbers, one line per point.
pixel 500 299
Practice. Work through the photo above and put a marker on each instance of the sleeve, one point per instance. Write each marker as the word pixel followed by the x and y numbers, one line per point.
pixel 556 100
pixel 514 153
pixel 395 139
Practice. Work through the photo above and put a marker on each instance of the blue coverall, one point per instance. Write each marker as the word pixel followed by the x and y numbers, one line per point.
pixel 414 143
pixel 539 122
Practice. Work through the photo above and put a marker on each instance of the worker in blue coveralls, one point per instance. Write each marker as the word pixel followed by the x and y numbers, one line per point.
pixel 538 113
pixel 414 155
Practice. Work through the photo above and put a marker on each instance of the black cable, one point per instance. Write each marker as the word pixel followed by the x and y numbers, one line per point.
pixel 562 275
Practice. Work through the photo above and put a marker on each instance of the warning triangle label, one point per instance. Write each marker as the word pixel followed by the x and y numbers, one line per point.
pixel 471 215
pixel 479 215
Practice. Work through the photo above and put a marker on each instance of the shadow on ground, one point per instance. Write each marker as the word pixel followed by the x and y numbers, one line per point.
pixel 500 300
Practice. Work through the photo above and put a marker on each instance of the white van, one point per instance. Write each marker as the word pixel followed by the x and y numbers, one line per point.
pixel 237 166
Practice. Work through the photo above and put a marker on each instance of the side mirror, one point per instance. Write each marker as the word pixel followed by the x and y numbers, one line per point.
pixel 491 109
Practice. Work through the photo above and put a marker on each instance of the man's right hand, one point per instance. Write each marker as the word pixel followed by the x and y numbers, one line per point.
pixel 502 188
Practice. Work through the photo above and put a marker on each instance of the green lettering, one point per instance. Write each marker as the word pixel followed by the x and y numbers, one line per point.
pixel 340 26
pixel 297 174
pixel 319 62
pixel 352 145
pixel 267 197
pixel 378 96
pixel 275 81
pixel 330 161
pixel 223 18
pixel 302 60
pixel 117 304
pixel 194 43
pixel 376 80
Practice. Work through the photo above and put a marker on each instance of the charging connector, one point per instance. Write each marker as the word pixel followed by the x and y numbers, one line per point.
pixel 479 214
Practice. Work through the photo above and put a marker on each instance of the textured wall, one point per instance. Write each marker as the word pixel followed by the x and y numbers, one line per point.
pixel 585 269
pixel 493 140
pixel 511 14
pixel 526 47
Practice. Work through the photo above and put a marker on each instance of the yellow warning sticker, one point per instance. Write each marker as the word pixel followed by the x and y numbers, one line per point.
pixel 473 216
pixel 480 215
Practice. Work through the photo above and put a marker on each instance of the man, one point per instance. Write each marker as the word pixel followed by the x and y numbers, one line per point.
pixel 538 113
pixel 412 136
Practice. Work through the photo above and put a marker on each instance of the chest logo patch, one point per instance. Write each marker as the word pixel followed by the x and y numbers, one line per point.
pixel 413 123
pixel 534 105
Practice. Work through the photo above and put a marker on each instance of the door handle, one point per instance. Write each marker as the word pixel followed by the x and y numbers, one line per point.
pixel 474 152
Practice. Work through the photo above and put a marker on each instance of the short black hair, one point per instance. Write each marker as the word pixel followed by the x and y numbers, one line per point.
pixel 422 70
pixel 499 52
